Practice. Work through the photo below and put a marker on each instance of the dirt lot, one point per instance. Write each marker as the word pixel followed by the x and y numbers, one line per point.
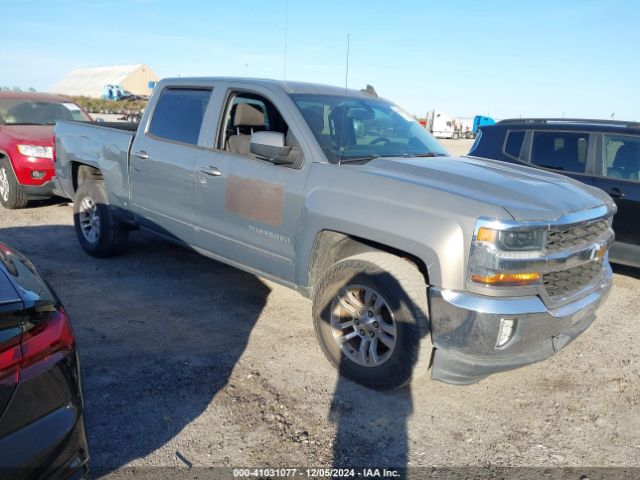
pixel 188 363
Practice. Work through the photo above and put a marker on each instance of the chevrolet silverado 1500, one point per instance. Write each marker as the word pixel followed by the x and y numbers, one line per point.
pixel 412 258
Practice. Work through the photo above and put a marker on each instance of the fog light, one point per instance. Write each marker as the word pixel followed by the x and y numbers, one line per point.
pixel 37 174
pixel 507 328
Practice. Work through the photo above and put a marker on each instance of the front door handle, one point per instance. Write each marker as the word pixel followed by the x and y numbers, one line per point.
pixel 616 192
pixel 142 155
pixel 211 171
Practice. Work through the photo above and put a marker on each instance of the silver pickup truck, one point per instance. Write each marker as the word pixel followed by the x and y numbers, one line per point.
pixel 413 259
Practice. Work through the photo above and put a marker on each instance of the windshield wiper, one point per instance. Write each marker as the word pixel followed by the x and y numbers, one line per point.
pixel 358 159
pixel 402 155
pixel 428 154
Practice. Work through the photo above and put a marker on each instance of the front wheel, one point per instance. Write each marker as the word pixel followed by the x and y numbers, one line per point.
pixel 370 317
pixel 99 232
pixel 11 194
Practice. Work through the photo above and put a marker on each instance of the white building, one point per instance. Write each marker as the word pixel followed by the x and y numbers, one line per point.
pixel 91 82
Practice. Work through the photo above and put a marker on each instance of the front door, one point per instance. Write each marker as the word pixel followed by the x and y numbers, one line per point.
pixel 247 207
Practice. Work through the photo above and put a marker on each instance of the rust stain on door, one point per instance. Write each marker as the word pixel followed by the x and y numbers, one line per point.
pixel 254 199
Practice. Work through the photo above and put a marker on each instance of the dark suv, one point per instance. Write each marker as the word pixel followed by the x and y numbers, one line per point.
pixel 602 153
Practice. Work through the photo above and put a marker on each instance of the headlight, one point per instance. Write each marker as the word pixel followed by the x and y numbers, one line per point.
pixel 513 240
pixel 508 257
pixel 36 151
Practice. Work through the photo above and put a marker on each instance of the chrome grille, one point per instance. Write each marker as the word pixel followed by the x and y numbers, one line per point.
pixel 567 281
pixel 568 236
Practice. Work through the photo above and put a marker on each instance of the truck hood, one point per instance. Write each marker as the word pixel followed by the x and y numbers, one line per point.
pixel 41 135
pixel 526 193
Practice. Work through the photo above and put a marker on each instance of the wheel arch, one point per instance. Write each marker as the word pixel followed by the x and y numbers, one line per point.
pixel 81 172
pixel 4 154
pixel 331 246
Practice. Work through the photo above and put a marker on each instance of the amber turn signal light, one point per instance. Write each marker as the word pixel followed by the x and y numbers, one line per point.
pixel 511 279
pixel 486 235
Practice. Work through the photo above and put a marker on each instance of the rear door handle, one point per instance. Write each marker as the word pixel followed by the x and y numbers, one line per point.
pixel 616 192
pixel 142 155
pixel 211 171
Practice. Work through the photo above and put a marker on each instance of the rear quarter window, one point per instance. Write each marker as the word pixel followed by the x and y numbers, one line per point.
pixel 513 143
pixel 476 143
pixel 179 113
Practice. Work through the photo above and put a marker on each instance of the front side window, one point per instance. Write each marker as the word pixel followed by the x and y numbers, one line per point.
pixel 621 157
pixel 179 113
pixel 513 145
pixel 351 128
pixel 247 113
pixel 37 112
pixel 564 151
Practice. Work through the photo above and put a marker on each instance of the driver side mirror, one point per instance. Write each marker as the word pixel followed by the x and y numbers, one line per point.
pixel 270 146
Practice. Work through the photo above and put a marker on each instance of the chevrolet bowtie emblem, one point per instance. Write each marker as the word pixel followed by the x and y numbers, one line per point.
pixel 598 252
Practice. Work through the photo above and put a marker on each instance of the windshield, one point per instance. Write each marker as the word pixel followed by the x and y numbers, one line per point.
pixel 351 128
pixel 37 112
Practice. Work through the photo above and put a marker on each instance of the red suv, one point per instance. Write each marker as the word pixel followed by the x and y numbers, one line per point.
pixel 26 143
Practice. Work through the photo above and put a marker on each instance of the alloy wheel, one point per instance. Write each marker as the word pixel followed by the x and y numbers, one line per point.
pixel 363 325
pixel 89 219
pixel 4 184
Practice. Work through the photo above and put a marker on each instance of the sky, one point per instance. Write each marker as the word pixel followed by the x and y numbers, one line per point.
pixel 503 58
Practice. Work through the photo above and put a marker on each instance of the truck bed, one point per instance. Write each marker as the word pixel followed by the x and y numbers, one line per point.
pixel 104 146
pixel 129 126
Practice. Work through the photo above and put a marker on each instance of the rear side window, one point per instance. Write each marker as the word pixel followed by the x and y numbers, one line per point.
pixel 178 114
pixel 563 151
pixel 513 145
pixel 621 155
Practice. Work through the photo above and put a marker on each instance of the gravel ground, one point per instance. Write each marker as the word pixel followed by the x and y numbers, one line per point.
pixel 189 363
pixel 457 147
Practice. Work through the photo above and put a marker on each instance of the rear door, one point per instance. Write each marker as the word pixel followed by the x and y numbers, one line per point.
pixel 10 334
pixel 163 162
pixel 618 174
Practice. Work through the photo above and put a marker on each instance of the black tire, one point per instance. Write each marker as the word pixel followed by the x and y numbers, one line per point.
pixel 111 235
pixel 403 288
pixel 14 197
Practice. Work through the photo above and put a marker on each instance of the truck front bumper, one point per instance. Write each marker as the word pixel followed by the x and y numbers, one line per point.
pixel 468 331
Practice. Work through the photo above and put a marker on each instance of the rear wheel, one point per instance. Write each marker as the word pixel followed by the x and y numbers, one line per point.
pixel 99 232
pixel 11 194
pixel 370 316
